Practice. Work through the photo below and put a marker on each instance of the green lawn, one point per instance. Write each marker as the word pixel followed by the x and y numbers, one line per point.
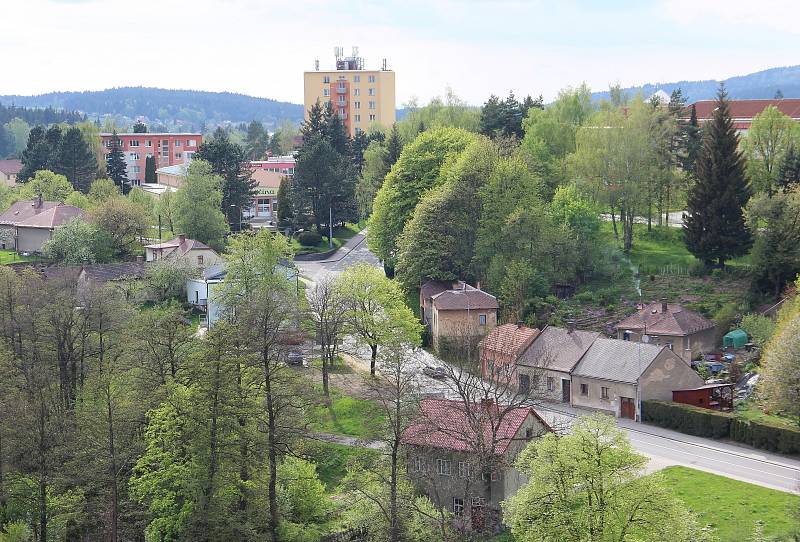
pixel 348 416
pixel 754 411
pixel 9 256
pixel 332 460
pixel 340 236
pixel 732 507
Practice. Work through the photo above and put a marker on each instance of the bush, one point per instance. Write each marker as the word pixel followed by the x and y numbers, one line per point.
pixel 766 436
pixel 309 238
pixel 700 422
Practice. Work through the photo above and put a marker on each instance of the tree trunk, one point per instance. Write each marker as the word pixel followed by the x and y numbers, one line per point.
pixel 374 358
pixel 325 364
pixel 42 474
pixel 272 449
pixel 614 222
pixel 244 445
pixel 112 454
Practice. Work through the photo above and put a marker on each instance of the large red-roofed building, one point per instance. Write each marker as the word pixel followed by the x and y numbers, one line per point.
pixel 743 111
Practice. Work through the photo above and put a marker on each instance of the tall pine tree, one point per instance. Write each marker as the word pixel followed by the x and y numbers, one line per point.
pixel 150 169
pixel 694 142
pixel 715 228
pixel 394 146
pixel 76 161
pixel 115 165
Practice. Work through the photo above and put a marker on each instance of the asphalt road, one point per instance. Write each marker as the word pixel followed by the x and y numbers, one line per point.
pixel 662 446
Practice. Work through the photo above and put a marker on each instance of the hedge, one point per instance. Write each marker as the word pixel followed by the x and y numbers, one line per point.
pixel 703 422
pixel 309 238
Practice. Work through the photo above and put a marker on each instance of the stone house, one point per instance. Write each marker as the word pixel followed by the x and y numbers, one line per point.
pixel 29 224
pixel 462 457
pixel 456 311
pixel 683 331
pixel 616 376
pixel 546 366
pixel 191 251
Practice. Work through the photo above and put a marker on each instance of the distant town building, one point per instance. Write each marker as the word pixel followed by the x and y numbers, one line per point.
pixel 28 224
pixel 276 164
pixel 360 97
pixel 167 149
pixel 743 111
pixel 180 248
pixel 9 169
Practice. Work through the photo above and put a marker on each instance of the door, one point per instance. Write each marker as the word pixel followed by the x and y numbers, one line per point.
pixel 627 408
pixel 565 390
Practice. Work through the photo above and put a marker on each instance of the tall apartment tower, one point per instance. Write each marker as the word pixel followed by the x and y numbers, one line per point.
pixel 360 97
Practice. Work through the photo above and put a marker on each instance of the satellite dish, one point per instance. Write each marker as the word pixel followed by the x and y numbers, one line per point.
pixel 645 338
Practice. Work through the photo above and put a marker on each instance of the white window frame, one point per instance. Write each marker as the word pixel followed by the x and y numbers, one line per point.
pixel 356 92
pixel 371 91
pixel 604 392
pixel 326 92
pixel 371 105
pixel 326 79
pixel 192 143
pixel 370 78
pixel 177 143
pixel 372 118
pixel 357 118
pixel 356 79
pixel 133 143
pixel 148 142
pixel 444 467
pixel 464 469
pixel 458 506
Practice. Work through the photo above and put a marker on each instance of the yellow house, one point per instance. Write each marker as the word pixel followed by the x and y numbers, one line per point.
pixel 360 97
pixel 460 315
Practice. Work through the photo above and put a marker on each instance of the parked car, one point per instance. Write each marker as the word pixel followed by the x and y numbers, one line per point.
pixel 294 357
pixel 434 372
pixel 714 367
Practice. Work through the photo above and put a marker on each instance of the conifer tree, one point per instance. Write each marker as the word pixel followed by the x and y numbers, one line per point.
pixel 285 211
pixel 115 165
pixel 715 228
pixel 315 122
pixel 694 142
pixel 789 172
pixel 36 154
pixel 139 127
pixel 256 142
pixel 394 146
pixel 76 161
pixel 150 169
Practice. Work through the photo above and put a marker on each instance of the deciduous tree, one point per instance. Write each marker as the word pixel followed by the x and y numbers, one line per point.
pixel 196 206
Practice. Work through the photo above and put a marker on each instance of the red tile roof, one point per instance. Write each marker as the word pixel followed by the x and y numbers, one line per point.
pixel 747 109
pixel 464 299
pixel 10 167
pixel 445 424
pixel 676 321
pixel 511 339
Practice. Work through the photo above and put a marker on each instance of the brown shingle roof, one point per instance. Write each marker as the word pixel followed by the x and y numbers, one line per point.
pixel 454 300
pixel 558 349
pixel 433 287
pixel 510 339
pixel 676 321
pixel 446 424
pixel 104 272
pixel 182 244
pixel 11 167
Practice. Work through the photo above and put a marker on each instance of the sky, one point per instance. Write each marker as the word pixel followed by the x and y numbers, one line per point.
pixel 475 47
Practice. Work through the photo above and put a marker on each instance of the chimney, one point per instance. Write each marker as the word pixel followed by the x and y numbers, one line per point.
pixel 520 324
pixel 38 201
pixel 181 237
pixel 487 404
pixel 664 306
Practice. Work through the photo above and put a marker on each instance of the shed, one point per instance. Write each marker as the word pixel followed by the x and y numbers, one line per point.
pixel 713 396
pixel 736 338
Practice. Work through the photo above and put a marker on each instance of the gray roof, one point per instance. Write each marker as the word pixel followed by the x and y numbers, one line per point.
pixel 617 360
pixel 215 272
pixel 178 170
pixel 104 272
pixel 557 349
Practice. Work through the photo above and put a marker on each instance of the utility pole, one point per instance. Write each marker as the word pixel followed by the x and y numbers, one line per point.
pixel 159 227
pixel 330 227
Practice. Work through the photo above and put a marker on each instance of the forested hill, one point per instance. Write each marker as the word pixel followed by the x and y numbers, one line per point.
pixel 47 115
pixel 166 106
pixel 763 84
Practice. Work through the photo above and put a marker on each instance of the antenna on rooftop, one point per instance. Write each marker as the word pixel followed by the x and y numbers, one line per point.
pixel 338 52
pixel 316 64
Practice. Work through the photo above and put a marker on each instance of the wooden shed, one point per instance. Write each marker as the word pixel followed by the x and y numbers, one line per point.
pixel 713 396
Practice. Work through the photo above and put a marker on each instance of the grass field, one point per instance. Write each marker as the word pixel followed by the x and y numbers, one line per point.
pixel 348 416
pixel 332 460
pixel 9 256
pixel 733 507
pixel 754 410
pixel 340 236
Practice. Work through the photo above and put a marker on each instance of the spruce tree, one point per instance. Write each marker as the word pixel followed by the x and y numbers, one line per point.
pixel 394 146
pixel 256 141
pixel 315 123
pixel 359 145
pixel 715 228
pixel 150 169
pixel 694 142
pixel 76 161
pixel 285 211
pixel 36 155
pixel 139 127
pixel 115 165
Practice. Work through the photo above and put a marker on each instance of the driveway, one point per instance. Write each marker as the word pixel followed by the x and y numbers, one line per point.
pixel 352 252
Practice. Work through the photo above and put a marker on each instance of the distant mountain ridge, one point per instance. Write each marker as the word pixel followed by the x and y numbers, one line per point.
pixel 189 107
pixel 759 85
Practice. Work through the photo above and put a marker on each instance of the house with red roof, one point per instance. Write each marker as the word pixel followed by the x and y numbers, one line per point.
pixel 190 251
pixel 29 224
pixel 462 455
pixel 683 331
pixel 743 111
pixel 499 351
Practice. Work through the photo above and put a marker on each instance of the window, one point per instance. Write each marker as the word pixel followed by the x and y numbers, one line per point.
pixel 192 143
pixel 135 169
pixel 148 155
pixel 372 118
pixel 669 345
pixel 443 467
pixel 464 469
pixel 482 319
pixel 326 78
pixel 134 155
pixel 165 142
pixel 148 142
pixel 371 78
pixel 189 156
pixel 356 79
pixel 371 105
pixel 418 465
pixel 458 506
pixel 177 142
pixel 341 86
pixel 356 105
pixel 200 259
pixel 524 383
pixel 178 155
pixel 585 389
pixel 551 383
pixel 356 92
pixel 492 476
pixel 357 118
pixel 326 92
pixel 134 143
pixel 371 91
pixel 529 433
pixel 603 393
pixel 263 206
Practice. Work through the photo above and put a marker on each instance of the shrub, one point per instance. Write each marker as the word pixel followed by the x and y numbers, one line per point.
pixel 700 422
pixel 766 436
pixel 309 238
pixel 697 269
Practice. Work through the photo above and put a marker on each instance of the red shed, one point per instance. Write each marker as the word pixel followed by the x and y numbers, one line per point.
pixel 713 396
